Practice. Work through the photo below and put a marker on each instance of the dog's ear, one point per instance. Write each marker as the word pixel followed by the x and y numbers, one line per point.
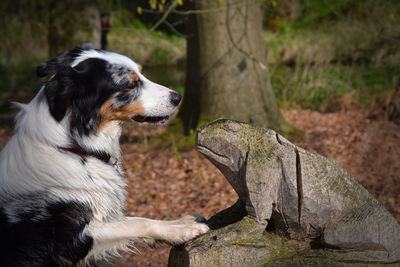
pixel 59 91
pixel 52 66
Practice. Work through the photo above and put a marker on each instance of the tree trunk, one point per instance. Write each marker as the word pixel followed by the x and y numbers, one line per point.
pixel 394 107
pixel 226 66
pixel 73 23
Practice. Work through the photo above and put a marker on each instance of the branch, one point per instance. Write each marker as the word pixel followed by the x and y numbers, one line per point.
pixel 202 11
pixel 164 17
pixel 174 29
pixel 172 9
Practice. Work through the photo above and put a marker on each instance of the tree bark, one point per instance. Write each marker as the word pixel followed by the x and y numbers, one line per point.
pixel 73 23
pixel 394 107
pixel 226 67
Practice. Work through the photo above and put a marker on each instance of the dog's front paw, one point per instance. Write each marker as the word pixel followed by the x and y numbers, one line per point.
pixel 190 231
pixel 185 229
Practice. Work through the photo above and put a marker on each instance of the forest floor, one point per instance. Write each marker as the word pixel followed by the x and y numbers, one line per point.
pixel 165 183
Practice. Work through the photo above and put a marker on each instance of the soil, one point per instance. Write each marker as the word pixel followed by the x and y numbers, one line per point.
pixel 166 184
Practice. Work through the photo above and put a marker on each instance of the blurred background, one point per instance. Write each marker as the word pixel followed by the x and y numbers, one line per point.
pixel 323 73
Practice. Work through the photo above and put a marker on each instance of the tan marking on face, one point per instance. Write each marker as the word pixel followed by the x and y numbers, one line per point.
pixel 105 108
pixel 107 114
pixel 140 67
pixel 135 77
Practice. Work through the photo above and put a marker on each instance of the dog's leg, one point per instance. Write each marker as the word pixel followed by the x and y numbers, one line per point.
pixel 108 236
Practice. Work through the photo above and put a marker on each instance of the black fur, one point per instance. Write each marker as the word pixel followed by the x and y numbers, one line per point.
pixel 52 66
pixel 58 92
pixel 38 231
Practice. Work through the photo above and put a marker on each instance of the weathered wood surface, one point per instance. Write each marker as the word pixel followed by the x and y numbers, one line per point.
pixel 294 207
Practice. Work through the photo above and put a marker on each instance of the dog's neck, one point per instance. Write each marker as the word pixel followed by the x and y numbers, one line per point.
pixel 104 142
pixel 36 123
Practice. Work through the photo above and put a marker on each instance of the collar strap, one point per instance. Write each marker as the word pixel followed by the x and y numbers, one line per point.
pixel 81 152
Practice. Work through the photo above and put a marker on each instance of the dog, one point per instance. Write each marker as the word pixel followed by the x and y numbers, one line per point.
pixel 62 185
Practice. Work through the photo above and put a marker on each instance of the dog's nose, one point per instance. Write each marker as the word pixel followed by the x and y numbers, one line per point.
pixel 175 98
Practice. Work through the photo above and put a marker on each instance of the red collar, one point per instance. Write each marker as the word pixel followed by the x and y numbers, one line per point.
pixel 81 152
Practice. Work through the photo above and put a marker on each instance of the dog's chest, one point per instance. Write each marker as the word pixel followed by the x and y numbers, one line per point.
pixel 103 187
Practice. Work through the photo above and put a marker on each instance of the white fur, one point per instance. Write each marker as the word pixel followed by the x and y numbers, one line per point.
pixel 155 100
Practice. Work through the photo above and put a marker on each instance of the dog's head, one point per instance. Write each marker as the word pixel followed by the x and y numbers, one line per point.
pixel 97 87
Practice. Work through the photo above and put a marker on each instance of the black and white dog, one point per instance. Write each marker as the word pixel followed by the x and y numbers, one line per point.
pixel 62 186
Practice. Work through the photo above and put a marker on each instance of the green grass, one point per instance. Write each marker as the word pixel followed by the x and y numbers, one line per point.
pixel 149 49
pixel 335 48
pixel 314 86
pixel 129 36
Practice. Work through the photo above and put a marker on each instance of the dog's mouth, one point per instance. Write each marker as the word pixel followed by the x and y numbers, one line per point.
pixel 151 119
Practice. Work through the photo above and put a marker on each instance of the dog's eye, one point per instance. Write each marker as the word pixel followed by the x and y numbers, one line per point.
pixel 130 87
